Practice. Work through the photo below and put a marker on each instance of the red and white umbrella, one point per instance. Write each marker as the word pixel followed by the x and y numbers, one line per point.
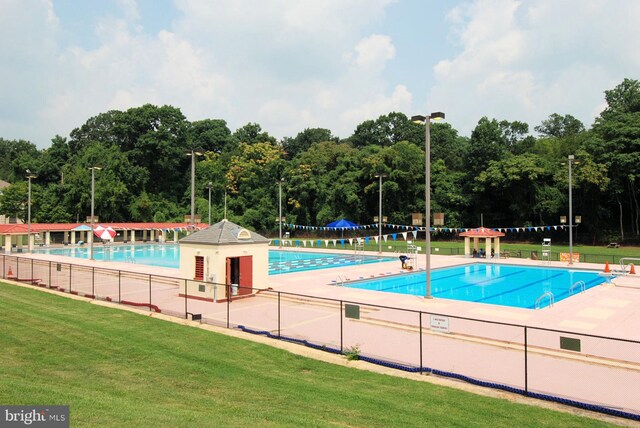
pixel 104 232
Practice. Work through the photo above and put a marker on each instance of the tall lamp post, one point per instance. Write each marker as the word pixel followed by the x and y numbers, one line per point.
pixel 280 210
pixel 29 177
pixel 209 187
pixel 93 222
pixel 427 172
pixel 380 176
pixel 193 153
pixel 571 160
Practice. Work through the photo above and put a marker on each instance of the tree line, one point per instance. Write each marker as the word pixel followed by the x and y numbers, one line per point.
pixel 501 172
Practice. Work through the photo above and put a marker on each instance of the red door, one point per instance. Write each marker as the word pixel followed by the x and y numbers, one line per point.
pixel 246 275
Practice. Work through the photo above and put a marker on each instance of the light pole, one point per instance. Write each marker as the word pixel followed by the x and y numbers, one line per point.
pixel 427 172
pixel 193 155
pixel 209 187
pixel 29 177
pixel 93 222
pixel 380 176
pixel 280 210
pixel 571 160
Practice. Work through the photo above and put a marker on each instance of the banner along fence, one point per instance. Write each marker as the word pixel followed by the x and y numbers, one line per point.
pixel 587 371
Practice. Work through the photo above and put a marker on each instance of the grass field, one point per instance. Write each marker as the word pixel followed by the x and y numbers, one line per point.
pixel 525 248
pixel 116 368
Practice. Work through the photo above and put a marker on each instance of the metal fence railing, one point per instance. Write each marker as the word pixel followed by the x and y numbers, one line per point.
pixel 584 370
pixel 520 254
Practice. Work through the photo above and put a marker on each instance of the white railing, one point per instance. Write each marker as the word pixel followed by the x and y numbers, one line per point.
pixel 548 294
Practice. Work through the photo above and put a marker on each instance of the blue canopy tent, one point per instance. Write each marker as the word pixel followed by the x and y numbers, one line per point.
pixel 342 224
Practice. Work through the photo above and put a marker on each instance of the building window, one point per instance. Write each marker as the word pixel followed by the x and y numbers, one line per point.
pixel 199 268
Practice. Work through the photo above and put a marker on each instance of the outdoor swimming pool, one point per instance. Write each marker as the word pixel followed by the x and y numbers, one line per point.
pixel 298 261
pixel 506 285
pixel 280 262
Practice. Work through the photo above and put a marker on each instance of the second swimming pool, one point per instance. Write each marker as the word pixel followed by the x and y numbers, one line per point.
pixel 169 256
pixel 506 285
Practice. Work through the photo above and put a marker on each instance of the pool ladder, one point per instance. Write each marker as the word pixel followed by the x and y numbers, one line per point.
pixel 579 284
pixel 339 281
pixel 548 294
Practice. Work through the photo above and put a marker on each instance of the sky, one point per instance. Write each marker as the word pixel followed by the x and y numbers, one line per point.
pixel 294 64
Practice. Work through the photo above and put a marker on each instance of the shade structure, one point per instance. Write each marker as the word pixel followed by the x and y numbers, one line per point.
pixel 106 233
pixel 342 223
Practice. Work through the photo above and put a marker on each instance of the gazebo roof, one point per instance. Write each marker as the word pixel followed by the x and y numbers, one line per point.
pixel 224 233
pixel 482 232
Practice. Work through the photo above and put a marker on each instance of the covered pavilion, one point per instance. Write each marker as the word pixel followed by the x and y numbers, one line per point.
pixel 46 234
pixel 487 234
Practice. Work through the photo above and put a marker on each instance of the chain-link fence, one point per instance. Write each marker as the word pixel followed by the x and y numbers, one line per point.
pixel 588 371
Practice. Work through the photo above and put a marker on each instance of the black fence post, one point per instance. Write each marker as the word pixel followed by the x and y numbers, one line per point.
pixel 341 330
pixel 70 276
pixel 4 268
pixel 49 281
pixel 93 281
pixel 149 292
pixel 185 300
pixel 526 363
pixel 119 286
pixel 420 331
pixel 31 277
pixel 228 292
pixel 279 314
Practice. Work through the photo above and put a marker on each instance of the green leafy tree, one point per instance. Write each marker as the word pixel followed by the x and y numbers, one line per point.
pixel 557 126
pixel 211 135
pixel 617 146
pixel 13 200
pixel 386 131
pixel 305 139
pixel 252 133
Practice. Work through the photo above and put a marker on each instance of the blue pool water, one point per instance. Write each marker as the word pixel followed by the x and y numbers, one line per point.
pixel 298 261
pixel 169 256
pixel 506 285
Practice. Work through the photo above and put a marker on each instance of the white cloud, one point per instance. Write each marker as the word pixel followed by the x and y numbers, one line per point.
pixel 400 100
pixel 374 51
pixel 527 60
pixel 279 63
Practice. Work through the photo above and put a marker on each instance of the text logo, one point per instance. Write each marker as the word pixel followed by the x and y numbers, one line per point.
pixel 34 416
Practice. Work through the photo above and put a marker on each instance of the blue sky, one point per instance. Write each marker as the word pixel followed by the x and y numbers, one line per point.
pixel 294 64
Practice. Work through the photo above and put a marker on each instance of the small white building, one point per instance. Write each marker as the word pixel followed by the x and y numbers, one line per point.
pixel 223 261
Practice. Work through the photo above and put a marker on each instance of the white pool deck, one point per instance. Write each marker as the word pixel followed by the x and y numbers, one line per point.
pixel 609 310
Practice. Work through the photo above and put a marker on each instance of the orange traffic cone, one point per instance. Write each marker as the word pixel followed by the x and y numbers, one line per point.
pixel 10 273
pixel 632 271
pixel 606 268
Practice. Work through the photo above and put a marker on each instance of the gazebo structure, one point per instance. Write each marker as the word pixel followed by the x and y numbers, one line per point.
pixel 226 255
pixel 487 234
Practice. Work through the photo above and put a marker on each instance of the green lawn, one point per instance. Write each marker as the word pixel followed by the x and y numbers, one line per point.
pixel 444 247
pixel 115 368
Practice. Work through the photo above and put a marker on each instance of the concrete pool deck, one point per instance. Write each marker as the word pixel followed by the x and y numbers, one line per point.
pixel 609 309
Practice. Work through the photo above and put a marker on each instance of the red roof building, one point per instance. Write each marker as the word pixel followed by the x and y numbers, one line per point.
pixel 482 233
pixel 72 233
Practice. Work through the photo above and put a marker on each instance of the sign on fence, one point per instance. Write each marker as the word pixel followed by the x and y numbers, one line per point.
pixel 564 257
pixel 439 323
pixel 352 311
